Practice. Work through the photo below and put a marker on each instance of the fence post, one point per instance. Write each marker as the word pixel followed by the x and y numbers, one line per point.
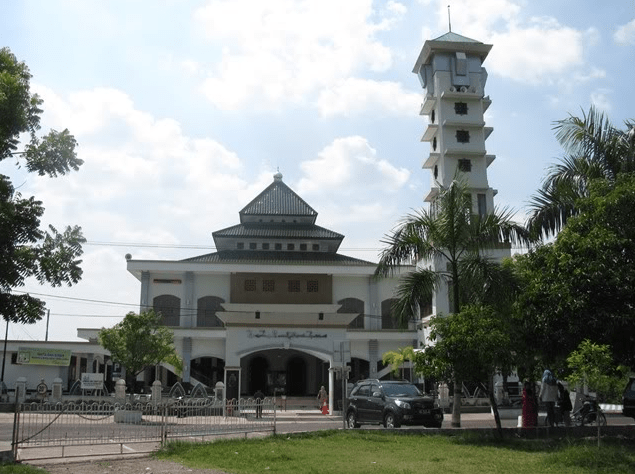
pixel 164 422
pixel 16 430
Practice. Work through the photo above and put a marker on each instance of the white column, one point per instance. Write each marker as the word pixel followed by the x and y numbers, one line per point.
pixel 331 387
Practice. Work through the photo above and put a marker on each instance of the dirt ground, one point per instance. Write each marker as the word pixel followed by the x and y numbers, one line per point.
pixel 136 465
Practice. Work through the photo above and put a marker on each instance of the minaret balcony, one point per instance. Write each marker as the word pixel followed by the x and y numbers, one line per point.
pixel 489 159
pixel 470 94
pixel 432 160
pixel 428 104
pixel 487 131
pixel 434 192
pixel 430 132
pixel 470 149
pixel 486 103
pixel 463 124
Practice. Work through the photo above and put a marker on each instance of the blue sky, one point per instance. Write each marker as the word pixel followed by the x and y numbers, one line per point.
pixel 184 111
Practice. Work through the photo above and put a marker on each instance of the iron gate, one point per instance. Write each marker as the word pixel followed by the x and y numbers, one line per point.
pixel 89 429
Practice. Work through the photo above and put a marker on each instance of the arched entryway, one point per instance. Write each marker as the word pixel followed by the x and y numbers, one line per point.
pixel 296 376
pixel 207 370
pixel 283 372
pixel 258 368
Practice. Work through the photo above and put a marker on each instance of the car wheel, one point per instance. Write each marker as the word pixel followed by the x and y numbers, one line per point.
pixel 390 421
pixel 352 420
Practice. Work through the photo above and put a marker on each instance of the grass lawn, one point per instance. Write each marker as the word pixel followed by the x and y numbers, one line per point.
pixel 363 451
pixel 11 468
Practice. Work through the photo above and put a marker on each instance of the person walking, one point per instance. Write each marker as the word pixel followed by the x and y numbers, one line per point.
pixel 564 403
pixel 322 397
pixel 259 396
pixel 549 395
pixel 530 405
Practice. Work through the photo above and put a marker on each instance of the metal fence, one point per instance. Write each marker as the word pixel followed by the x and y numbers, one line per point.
pixel 67 429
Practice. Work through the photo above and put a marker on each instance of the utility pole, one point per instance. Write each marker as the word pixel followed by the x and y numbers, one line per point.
pixel 4 352
pixel 48 315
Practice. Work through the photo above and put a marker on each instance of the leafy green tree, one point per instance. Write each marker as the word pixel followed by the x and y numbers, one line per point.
pixel 449 232
pixel 593 365
pixel 140 341
pixel 594 149
pixel 581 285
pixel 468 346
pixel 25 249
pixel 397 358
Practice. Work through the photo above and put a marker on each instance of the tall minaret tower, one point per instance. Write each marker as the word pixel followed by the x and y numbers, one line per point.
pixel 451 73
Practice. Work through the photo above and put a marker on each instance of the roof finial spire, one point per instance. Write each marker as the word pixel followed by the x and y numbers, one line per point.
pixel 449 20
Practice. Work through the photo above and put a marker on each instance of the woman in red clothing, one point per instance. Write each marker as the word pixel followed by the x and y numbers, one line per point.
pixel 530 405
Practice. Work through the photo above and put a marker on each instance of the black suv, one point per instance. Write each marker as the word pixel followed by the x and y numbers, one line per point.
pixel 393 403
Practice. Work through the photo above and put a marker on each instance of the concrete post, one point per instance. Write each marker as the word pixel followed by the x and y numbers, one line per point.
pixel 156 392
pixel 120 390
pixel 331 388
pixel 20 390
pixel 219 391
pixel 56 393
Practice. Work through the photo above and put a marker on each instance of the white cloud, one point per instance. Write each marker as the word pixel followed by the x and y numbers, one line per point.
pixel 625 34
pixel 532 50
pixel 352 96
pixel 350 166
pixel 601 100
pixel 284 51
pixel 527 54
pixel 135 165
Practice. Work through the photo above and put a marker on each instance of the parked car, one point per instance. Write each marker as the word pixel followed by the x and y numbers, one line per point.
pixel 628 399
pixel 393 403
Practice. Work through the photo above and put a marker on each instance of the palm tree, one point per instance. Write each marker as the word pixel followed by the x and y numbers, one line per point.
pixel 448 233
pixel 594 149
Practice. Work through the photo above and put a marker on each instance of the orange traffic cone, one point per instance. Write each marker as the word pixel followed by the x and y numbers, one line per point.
pixel 325 409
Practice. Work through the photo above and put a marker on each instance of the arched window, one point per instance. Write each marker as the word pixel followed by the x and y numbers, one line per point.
pixel 206 312
pixel 353 305
pixel 170 308
pixel 388 320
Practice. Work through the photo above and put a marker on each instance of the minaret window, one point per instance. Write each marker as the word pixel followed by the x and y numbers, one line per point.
pixel 432 116
pixel 268 286
pixel 463 136
pixel 294 286
pixel 240 245
pixel 312 286
pixel 250 285
pixel 278 246
pixel 460 108
pixel 302 246
pixel 465 165
pixel 482 204
pixel 436 171
pixel 265 246
pixel 290 246
pixel 434 144
pixel 253 246
pixel 316 247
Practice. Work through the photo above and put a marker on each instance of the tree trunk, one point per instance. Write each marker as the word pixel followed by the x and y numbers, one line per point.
pixel 456 406
pixel 492 402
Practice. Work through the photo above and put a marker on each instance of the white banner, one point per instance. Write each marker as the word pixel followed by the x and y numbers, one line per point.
pixel 92 381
